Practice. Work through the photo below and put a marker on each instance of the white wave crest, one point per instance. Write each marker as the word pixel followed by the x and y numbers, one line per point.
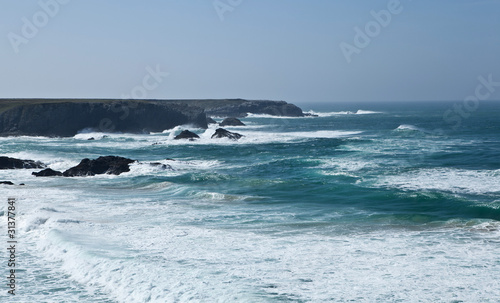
pixel 332 114
pixel 250 115
pixel 329 114
pixel 367 112
pixel 458 181
pixel 404 127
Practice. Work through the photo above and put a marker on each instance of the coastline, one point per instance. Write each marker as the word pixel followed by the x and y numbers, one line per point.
pixel 67 117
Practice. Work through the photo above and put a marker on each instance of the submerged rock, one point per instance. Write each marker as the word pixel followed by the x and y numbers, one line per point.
pixel 47 173
pixel 231 122
pixel 186 134
pixel 12 163
pixel 6 182
pixel 102 165
pixel 222 133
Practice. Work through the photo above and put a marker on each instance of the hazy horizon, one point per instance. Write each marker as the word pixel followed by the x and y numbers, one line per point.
pixel 225 49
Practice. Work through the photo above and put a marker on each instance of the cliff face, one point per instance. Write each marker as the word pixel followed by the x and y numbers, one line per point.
pixel 65 119
pixel 240 107
pixel 274 108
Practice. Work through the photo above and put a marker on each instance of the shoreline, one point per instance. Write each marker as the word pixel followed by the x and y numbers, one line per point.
pixel 66 117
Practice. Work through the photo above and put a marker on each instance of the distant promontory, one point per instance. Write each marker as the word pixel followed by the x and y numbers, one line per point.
pixel 67 117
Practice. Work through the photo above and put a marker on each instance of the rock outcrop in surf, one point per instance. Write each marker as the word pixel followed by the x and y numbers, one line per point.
pixel 222 133
pixel 111 165
pixel 49 172
pixel 13 163
pixel 231 122
pixel 186 134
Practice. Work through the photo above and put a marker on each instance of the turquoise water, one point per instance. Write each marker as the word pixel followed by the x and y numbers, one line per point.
pixel 387 202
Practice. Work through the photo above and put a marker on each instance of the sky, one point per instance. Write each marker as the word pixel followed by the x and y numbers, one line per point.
pixel 297 51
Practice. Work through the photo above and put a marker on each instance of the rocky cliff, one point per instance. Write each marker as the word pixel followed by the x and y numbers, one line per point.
pixel 65 118
pixel 241 107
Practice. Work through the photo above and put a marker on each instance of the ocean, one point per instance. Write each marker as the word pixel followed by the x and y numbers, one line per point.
pixel 367 202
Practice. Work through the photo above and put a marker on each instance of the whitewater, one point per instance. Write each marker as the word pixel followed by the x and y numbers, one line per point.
pixel 369 202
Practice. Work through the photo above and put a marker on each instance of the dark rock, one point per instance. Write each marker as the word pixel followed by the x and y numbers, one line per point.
pixel 65 118
pixel 91 138
pixel 185 134
pixel 231 122
pixel 47 173
pixel 310 115
pixel 162 166
pixel 6 182
pixel 102 165
pixel 22 184
pixel 12 163
pixel 211 121
pixel 170 159
pixel 222 133
pixel 241 107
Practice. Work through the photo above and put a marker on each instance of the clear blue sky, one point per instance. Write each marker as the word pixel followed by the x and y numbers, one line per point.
pixel 280 49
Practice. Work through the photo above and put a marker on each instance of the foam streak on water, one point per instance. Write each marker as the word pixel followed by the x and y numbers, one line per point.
pixel 349 206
